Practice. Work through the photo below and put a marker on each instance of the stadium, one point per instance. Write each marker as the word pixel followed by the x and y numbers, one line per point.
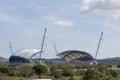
pixel 71 55
pixel 32 56
pixel 24 56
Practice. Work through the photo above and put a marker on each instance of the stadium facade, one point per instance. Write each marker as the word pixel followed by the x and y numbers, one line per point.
pixel 24 56
pixel 32 56
pixel 75 55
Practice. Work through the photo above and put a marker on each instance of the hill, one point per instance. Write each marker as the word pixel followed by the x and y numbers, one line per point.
pixel 114 60
pixel 3 60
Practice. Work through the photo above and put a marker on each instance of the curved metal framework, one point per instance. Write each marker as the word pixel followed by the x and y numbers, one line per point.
pixel 75 55
pixel 27 55
pixel 24 56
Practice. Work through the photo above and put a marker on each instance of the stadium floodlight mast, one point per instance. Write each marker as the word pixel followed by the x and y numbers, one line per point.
pixel 43 41
pixel 11 51
pixel 55 48
pixel 95 62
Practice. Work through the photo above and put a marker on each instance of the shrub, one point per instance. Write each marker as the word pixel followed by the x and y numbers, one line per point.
pixel 67 72
pixel 40 69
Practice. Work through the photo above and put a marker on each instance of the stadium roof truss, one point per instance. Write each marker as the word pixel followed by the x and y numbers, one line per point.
pixel 73 55
pixel 24 55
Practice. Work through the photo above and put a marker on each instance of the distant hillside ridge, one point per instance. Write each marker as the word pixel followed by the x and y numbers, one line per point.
pixel 114 60
pixel 3 60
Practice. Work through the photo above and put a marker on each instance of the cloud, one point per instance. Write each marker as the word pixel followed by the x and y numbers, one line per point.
pixel 64 23
pixel 108 7
pixel 35 5
pixel 7 18
pixel 49 18
pixel 31 33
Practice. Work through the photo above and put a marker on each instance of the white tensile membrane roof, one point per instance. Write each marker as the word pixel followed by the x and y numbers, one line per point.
pixel 26 53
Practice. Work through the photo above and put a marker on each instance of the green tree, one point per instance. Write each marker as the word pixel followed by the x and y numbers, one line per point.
pixel 114 73
pixel 56 74
pixel 40 69
pixel 71 78
pixel 67 72
pixel 53 68
pixel 24 71
pixel 6 70
pixel 98 73
pixel 60 66
pixel 70 66
pixel 92 74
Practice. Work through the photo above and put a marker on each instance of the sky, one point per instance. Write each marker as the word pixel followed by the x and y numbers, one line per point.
pixel 71 25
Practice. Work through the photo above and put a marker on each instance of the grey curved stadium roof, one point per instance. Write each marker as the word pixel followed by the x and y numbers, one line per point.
pixel 74 54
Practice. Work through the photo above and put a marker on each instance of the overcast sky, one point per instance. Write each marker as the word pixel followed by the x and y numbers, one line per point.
pixel 71 25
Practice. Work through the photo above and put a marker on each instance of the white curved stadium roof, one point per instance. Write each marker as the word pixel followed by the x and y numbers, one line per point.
pixel 26 53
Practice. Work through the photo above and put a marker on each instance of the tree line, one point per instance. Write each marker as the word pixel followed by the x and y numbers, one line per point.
pixel 60 71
